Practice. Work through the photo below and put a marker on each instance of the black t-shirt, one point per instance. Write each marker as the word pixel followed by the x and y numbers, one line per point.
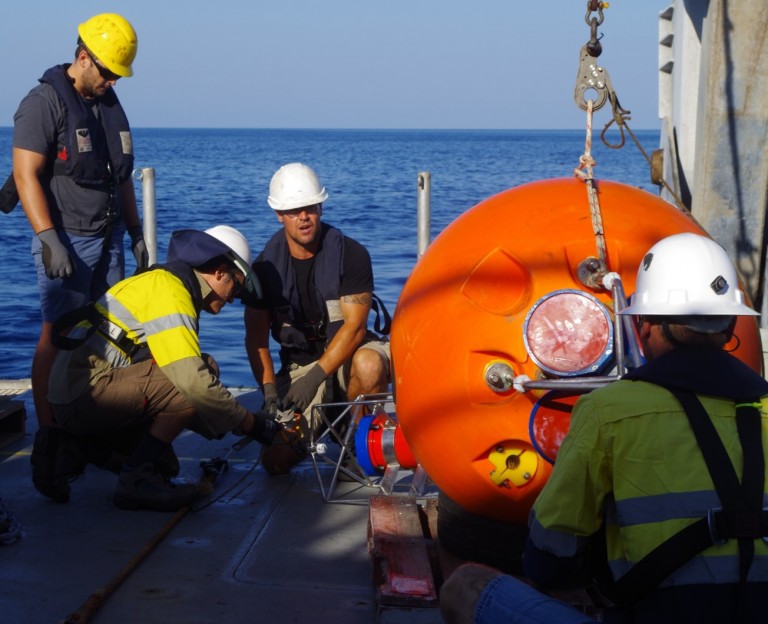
pixel 357 278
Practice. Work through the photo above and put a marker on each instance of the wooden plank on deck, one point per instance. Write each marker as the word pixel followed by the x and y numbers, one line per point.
pixel 400 552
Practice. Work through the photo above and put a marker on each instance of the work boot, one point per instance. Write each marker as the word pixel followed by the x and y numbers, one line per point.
pixel 144 488
pixel 57 459
pixel 98 451
pixel 168 463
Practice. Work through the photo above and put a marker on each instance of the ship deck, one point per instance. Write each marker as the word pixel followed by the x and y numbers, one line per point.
pixel 258 549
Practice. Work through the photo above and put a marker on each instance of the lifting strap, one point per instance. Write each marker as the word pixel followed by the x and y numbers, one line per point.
pixel 741 517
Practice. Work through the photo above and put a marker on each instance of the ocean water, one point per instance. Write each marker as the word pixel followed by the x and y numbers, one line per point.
pixel 205 177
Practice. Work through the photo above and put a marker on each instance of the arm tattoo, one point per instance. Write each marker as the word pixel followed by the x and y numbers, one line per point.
pixel 363 298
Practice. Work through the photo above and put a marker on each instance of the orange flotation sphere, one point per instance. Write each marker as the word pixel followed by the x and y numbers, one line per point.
pixel 480 300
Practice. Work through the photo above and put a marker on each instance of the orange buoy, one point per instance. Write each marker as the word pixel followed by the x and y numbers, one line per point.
pixel 478 305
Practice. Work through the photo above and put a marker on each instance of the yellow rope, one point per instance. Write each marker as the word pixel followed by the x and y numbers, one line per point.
pixel 95 601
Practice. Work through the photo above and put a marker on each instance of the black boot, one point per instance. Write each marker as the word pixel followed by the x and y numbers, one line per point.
pixel 57 459
pixel 144 488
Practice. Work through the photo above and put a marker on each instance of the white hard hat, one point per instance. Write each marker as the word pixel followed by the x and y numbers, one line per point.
pixel 295 186
pixel 688 275
pixel 232 238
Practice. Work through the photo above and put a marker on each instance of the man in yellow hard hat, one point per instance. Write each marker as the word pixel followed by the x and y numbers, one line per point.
pixel 72 165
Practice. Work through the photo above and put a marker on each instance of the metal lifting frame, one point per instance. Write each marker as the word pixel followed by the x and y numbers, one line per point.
pixel 340 429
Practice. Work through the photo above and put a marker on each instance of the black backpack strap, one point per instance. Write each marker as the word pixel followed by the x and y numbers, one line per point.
pixel 741 516
pixel 377 305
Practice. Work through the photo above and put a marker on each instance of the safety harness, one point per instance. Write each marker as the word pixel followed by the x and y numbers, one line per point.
pixel 108 330
pixel 112 332
pixel 741 516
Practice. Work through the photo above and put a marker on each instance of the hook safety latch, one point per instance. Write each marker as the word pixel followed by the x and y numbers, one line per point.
pixel 593 78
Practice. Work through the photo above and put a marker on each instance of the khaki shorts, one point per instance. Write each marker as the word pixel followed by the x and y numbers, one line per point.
pixel 311 419
pixel 126 397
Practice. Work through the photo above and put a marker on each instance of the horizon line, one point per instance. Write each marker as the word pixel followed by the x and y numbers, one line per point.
pixel 363 129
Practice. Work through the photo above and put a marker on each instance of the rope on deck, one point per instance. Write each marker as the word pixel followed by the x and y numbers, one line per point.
pixel 95 601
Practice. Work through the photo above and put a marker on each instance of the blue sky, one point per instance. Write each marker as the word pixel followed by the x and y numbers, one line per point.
pixel 349 63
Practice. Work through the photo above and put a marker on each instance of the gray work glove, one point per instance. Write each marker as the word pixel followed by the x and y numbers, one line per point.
pixel 303 389
pixel 56 258
pixel 271 399
pixel 139 247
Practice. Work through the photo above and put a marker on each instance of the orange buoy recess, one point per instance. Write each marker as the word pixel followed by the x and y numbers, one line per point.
pixel 475 307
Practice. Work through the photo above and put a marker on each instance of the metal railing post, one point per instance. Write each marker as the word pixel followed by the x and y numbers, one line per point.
pixel 423 208
pixel 147 177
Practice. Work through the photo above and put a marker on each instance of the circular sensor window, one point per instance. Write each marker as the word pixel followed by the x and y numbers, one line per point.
pixel 568 333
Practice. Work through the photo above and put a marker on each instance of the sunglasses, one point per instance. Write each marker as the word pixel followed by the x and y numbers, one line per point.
pixel 103 71
pixel 238 285
pixel 296 212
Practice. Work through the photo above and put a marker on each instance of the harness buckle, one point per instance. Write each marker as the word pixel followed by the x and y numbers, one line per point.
pixel 110 330
pixel 713 514
pixel 313 331
pixel 118 337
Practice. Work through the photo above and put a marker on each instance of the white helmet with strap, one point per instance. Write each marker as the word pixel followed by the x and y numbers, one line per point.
pixel 295 186
pixel 232 238
pixel 689 275
pixel 241 255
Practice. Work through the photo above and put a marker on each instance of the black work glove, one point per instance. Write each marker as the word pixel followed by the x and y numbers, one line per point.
pixel 303 389
pixel 139 247
pixel 268 432
pixel 271 399
pixel 56 258
pixel 264 428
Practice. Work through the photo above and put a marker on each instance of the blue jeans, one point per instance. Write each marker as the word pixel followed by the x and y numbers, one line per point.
pixel 505 600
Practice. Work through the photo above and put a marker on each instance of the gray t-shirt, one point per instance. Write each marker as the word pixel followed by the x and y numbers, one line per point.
pixel 40 126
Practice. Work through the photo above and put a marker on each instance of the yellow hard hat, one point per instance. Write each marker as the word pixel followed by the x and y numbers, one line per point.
pixel 112 40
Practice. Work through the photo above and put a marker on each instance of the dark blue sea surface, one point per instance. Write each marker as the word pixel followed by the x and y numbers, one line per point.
pixel 206 177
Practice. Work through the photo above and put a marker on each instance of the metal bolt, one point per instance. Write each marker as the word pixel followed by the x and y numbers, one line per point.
pixel 499 376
